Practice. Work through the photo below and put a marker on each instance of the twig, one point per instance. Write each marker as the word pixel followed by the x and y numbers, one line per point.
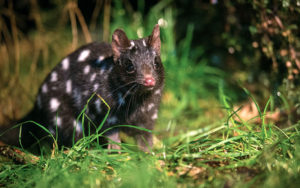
pixel 128 7
pixel 106 20
pixel 292 49
pixel 36 15
pixel 18 156
pixel 84 27
pixel 95 14
pixel 14 30
pixel 293 56
pixel 6 37
pixel 70 6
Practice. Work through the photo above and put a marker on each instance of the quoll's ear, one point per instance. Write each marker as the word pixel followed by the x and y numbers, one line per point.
pixel 154 39
pixel 119 43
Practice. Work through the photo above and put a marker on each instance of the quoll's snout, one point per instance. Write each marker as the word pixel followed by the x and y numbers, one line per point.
pixel 149 81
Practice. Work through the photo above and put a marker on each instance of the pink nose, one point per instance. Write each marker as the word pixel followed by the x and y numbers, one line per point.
pixel 149 82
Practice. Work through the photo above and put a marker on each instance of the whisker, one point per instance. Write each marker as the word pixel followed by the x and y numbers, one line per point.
pixel 126 94
pixel 128 107
pixel 122 86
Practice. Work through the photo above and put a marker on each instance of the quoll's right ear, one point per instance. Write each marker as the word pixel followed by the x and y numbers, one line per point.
pixel 154 39
pixel 119 43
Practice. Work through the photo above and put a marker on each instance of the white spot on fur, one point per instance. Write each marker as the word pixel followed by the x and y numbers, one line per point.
pixel 121 101
pixel 83 55
pixel 78 126
pixel 157 92
pixel 86 69
pixel 65 64
pixel 96 87
pixel 77 98
pixel 110 69
pixel 143 109
pixel 98 106
pixel 69 86
pixel 93 77
pixel 54 104
pixel 100 58
pixel 150 106
pixel 44 88
pixel 131 45
pixel 86 92
pixel 102 71
pixel 154 116
pixel 112 120
pixel 57 121
pixel 53 77
pixel 144 43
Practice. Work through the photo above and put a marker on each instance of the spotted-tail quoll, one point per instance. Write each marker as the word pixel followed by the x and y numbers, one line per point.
pixel 127 74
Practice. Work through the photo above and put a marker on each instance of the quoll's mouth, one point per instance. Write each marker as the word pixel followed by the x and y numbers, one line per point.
pixel 145 89
pixel 149 88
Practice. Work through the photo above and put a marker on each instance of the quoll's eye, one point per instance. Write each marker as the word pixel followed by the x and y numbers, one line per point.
pixel 129 67
pixel 156 63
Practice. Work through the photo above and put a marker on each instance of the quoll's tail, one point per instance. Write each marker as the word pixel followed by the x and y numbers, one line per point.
pixel 25 133
pixel 9 134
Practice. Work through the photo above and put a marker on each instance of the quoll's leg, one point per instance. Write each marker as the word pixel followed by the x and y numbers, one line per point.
pixel 114 137
pixel 144 140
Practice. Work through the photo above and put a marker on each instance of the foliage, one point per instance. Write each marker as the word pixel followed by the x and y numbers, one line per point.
pixel 273 57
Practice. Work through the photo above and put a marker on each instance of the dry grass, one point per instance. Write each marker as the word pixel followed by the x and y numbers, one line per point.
pixel 25 60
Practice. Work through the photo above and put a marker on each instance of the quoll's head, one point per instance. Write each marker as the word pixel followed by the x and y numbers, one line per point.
pixel 138 61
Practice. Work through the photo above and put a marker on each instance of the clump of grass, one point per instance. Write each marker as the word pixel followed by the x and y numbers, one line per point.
pixel 218 155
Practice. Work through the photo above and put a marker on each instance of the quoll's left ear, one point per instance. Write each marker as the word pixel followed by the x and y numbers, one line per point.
pixel 154 39
pixel 119 43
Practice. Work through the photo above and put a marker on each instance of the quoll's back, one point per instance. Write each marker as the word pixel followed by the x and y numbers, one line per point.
pixel 128 75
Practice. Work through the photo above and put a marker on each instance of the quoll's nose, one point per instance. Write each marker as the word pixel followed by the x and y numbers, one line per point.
pixel 149 81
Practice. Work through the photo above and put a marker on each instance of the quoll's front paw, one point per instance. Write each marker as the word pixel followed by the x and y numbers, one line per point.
pixel 145 142
pixel 113 146
pixel 114 138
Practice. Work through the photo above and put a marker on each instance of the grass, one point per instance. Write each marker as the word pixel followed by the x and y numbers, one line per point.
pixel 216 155
pixel 200 138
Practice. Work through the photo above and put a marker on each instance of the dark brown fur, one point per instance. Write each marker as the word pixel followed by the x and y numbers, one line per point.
pixel 128 75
